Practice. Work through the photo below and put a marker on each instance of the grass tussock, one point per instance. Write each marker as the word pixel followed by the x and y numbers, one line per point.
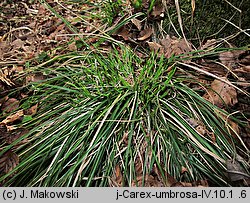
pixel 96 112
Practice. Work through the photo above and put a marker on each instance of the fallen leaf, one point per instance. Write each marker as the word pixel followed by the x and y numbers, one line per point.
pixel 210 44
pixel 156 47
pixel 72 46
pixel 221 94
pixel 138 167
pixel 8 161
pixel 34 78
pixel 183 169
pixel 3 99
pixel 235 171
pixel 232 126
pixel 228 59
pixel 201 183
pixel 246 60
pixel 146 181
pixel 137 23
pixel 31 111
pixel 117 179
pixel 174 46
pixel 15 134
pixel 243 72
pixel 124 33
pixel 42 10
pixel 246 69
pixel 10 105
pixel 13 117
pixel 17 69
pixel 3 131
pixel 166 180
pixel 145 34
pixel 17 44
pixel 201 129
pixel 182 184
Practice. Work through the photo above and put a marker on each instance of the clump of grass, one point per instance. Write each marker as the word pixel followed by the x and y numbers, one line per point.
pixel 88 103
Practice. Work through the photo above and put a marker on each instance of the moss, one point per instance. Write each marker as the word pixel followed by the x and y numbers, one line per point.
pixel 208 22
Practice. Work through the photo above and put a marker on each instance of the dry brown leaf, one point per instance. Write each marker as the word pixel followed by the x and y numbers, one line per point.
pixel 149 181
pixel 174 46
pixel 210 44
pixel 3 131
pixel 221 94
pixel 10 105
pixel 138 167
pixel 137 23
pixel 42 10
pixel 246 69
pixel 213 137
pixel 167 180
pixel 13 117
pixel 244 75
pixel 201 129
pixel 228 59
pixel 2 100
pixel 4 48
pixel 17 69
pixel 201 183
pixel 243 69
pixel 124 33
pixel 156 47
pixel 235 171
pixel 17 44
pixel 246 60
pixel 92 40
pixel 72 46
pixel 182 184
pixel 235 130
pixel 34 78
pixel 117 179
pixel 183 169
pixel 145 34
pixel 233 127
pixel 31 111
pixel 8 161
pixel 15 134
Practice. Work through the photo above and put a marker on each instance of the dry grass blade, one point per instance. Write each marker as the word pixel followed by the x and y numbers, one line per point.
pixel 180 21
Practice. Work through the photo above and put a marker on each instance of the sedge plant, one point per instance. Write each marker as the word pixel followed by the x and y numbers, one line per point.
pixel 97 111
